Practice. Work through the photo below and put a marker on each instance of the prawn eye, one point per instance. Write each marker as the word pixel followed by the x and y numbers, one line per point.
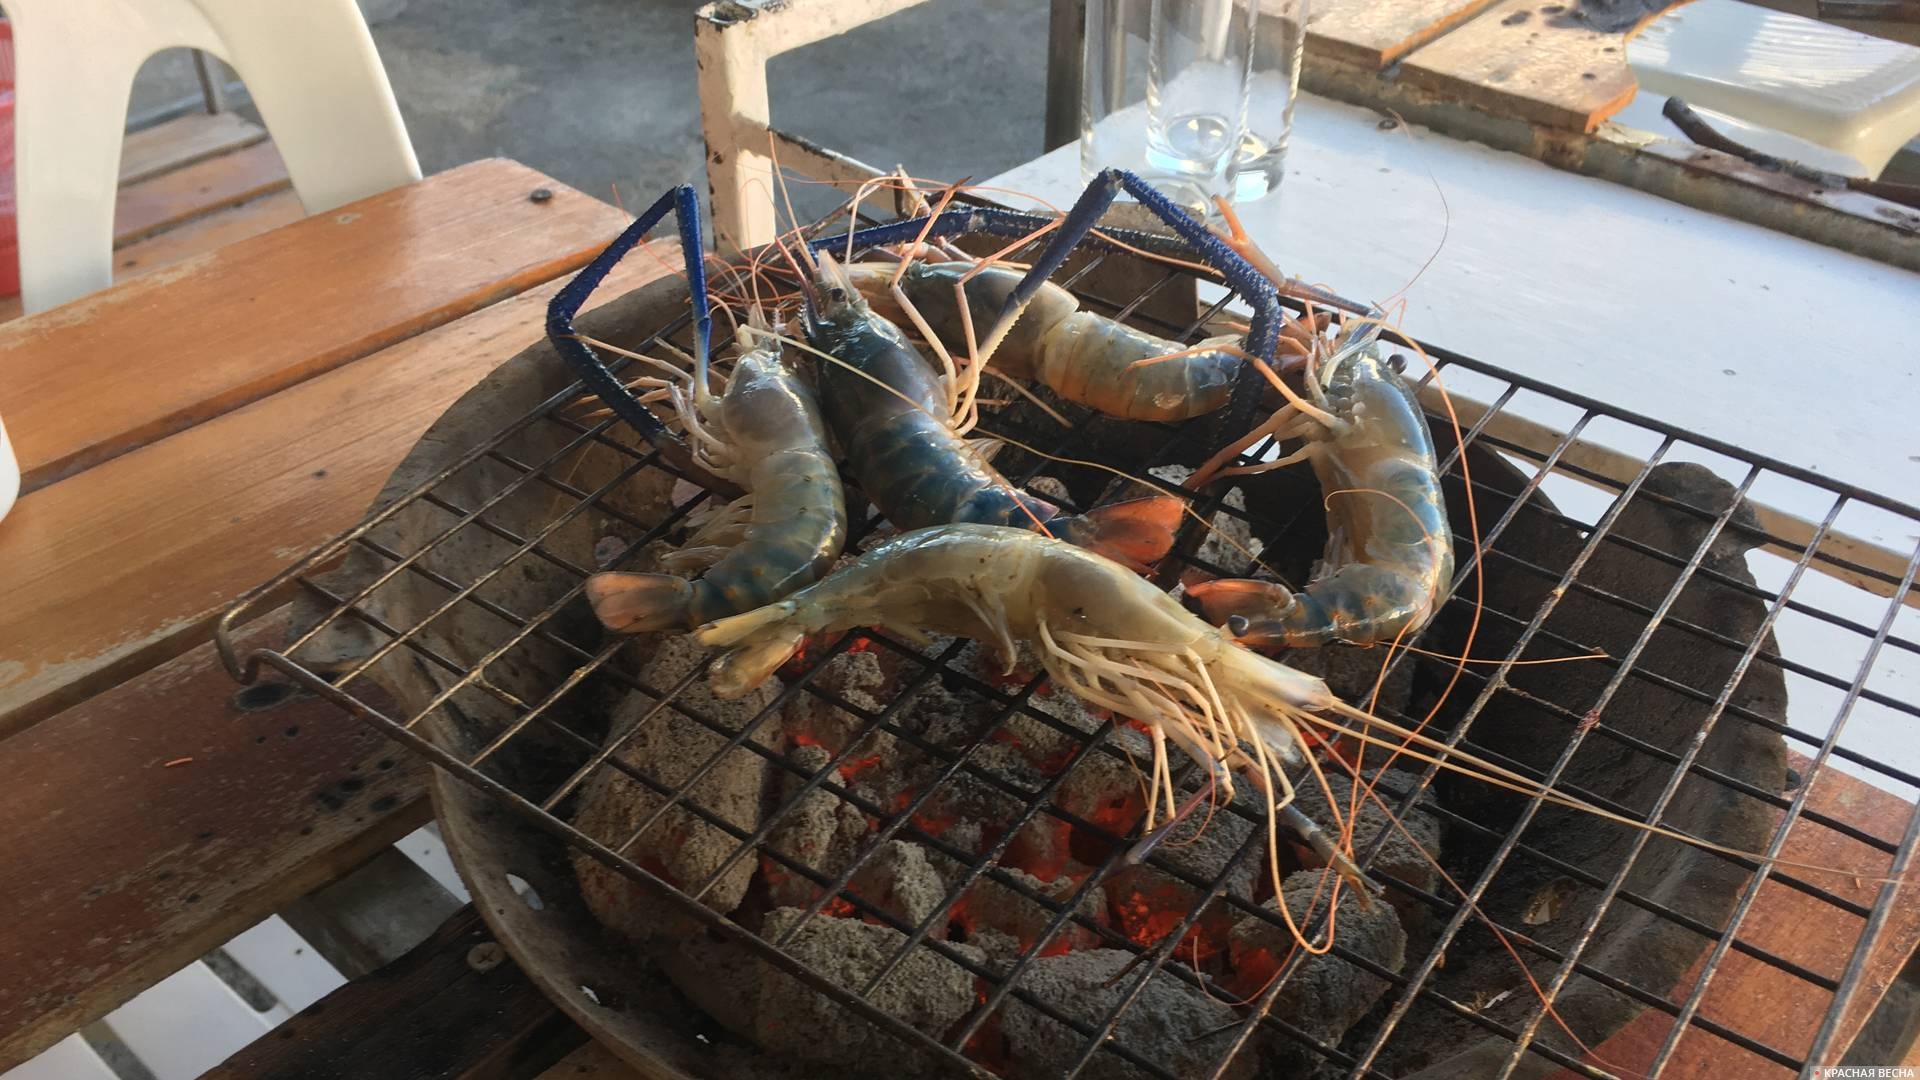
pixel 1398 361
pixel 1238 625
pixel 838 296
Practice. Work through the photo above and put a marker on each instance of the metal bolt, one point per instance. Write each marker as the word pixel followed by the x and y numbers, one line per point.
pixel 541 194
pixel 486 956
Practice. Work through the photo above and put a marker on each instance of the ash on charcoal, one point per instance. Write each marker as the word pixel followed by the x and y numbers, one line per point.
pixel 900 880
pixel 1411 848
pixel 713 976
pixel 925 989
pixel 1171 1023
pixel 821 831
pixel 1107 787
pixel 1325 995
pixel 668 747
pixel 861 679
pixel 1002 950
pixel 995 907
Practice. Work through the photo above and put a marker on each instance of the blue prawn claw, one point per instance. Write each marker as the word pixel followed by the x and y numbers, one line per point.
pixel 684 203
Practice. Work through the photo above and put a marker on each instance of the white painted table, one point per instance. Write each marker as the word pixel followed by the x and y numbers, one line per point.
pixel 1762 340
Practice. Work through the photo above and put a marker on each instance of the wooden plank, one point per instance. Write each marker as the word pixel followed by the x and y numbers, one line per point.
pixel 193 239
pixel 219 331
pixel 182 141
pixel 1761 1001
pixel 206 234
pixel 592 1062
pixel 162 201
pixel 1529 60
pixel 120 870
pixel 1371 35
pixel 441 1011
pixel 126 564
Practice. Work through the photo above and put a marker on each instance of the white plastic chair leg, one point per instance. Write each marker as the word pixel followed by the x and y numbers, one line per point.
pixel 67 121
pixel 313 73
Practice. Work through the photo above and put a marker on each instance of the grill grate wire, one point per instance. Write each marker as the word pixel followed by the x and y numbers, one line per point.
pixel 351 689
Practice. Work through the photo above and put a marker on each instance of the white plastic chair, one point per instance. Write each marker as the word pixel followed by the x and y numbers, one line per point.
pixel 1856 95
pixel 309 65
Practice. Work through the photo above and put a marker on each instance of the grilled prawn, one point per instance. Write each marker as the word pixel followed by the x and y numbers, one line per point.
pixel 1102 632
pixel 892 415
pixel 1389 550
pixel 765 434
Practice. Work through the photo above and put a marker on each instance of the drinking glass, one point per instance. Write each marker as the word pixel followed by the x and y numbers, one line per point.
pixel 1279 38
pixel 1164 91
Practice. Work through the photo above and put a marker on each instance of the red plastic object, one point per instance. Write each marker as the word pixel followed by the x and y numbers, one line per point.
pixel 9 232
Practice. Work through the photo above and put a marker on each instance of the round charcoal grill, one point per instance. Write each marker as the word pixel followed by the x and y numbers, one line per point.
pixel 451 620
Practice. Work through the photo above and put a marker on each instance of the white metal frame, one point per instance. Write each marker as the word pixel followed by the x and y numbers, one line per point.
pixel 732 41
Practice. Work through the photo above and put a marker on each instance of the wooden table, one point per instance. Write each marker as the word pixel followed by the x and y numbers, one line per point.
pixel 182 437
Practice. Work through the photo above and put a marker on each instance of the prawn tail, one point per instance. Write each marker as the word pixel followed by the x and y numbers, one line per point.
pixel 758 641
pixel 1254 613
pixel 638 603
pixel 1138 532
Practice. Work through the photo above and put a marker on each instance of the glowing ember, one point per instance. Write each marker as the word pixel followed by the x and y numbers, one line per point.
pixel 1043 849
pixel 1149 907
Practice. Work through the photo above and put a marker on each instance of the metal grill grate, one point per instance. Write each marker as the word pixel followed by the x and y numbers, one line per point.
pixel 1857 606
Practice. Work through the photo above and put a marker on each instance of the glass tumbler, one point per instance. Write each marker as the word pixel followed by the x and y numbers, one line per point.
pixel 1164 91
pixel 1280 36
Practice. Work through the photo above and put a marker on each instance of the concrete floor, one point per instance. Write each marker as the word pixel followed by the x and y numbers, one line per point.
pixel 600 94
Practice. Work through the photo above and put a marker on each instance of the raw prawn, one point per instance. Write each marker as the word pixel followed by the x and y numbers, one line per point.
pixel 1389 549
pixel 1081 355
pixel 765 433
pixel 1102 632
pixel 891 413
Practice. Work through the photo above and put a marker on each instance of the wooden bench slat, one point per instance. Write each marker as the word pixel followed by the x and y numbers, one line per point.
pixel 169 198
pixel 1529 60
pixel 110 372
pixel 126 564
pixel 183 141
pixel 203 235
pixel 121 870
pixel 1371 35
pixel 592 1062
pixel 428 1014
